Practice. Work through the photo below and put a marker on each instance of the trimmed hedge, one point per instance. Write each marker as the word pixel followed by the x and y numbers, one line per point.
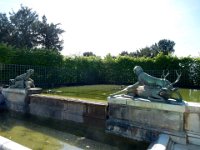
pixel 51 68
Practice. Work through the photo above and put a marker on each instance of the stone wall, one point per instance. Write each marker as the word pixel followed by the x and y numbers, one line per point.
pixel 138 120
pixel 192 123
pixel 67 109
pixel 145 121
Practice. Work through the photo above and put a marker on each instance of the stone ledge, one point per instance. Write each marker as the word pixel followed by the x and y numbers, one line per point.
pixel 6 144
pixel 161 144
pixel 193 107
pixel 65 99
pixel 13 90
pixel 146 104
pixel 63 108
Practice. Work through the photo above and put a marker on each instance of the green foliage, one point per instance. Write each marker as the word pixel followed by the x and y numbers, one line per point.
pixel 84 70
pixel 87 54
pixel 23 29
pixel 166 46
pixel 38 57
pixel 50 33
pixel 23 22
pixel 95 70
pixel 6 53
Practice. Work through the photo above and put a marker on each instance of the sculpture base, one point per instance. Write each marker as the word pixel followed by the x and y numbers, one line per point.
pixel 34 90
pixel 15 99
pixel 143 120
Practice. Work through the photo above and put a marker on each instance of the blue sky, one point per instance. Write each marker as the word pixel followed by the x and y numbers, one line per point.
pixel 112 26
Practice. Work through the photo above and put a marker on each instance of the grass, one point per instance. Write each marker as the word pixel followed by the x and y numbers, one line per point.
pixel 98 93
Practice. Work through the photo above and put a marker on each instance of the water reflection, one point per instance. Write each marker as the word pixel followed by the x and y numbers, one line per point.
pixel 47 134
pixel 39 137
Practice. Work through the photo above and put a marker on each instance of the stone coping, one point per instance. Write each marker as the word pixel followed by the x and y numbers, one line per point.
pixel 68 99
pixel 6 144
pixel 13 90
pixel 146 104
pixel 161 144
pixel 193 107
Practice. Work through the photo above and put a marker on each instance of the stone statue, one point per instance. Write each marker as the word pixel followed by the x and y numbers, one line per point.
pixel 151 88
pixel 23 81
pixel 2 99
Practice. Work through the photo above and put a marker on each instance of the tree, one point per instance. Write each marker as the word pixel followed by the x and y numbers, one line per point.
pixel 87 54
pixel 24 22
pixel 50 35
pixel 124 53
pixel 5 29
pixel 23 29
pixel 145 52
pixel 166 46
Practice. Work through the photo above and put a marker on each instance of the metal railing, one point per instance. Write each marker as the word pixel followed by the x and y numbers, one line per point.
pixel 54 76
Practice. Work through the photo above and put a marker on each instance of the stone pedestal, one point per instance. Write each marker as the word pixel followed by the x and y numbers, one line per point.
pixel 143 120
pixel 34 91
pixel 192 122
pixel 15 99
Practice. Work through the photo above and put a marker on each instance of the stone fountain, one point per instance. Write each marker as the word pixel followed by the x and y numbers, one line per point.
pixel 16 95
pixel 147 110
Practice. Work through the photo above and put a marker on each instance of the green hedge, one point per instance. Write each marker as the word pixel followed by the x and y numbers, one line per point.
pixel 51 68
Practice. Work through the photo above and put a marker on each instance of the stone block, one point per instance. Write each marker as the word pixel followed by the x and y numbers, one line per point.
pixel 144 120
pixel 95 111
pixel 76 108
pixel 66 115
pixel 6 144
pixel 66 108
pixel 193 138
pixel 192 122
pixel 192 107
pixel 145 104
pixel 153 118
pixel 14 95
pixel 15 99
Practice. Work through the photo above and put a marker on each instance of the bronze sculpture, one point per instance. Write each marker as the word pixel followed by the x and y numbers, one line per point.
pixel 152 88
pixel 23 81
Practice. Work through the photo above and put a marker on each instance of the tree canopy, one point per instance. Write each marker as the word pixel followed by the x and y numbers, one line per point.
pixel 87 54
pixel 23 29
pixel 163 46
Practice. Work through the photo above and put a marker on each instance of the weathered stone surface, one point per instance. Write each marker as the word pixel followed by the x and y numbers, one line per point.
pixel 6 144
pixel 145 104
pixel 14 95
pixel 144 120
pixel 66 108
pixel 192 122
pixel 147 117
pixel 15 99
pixel 34 90
pixel 192 107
